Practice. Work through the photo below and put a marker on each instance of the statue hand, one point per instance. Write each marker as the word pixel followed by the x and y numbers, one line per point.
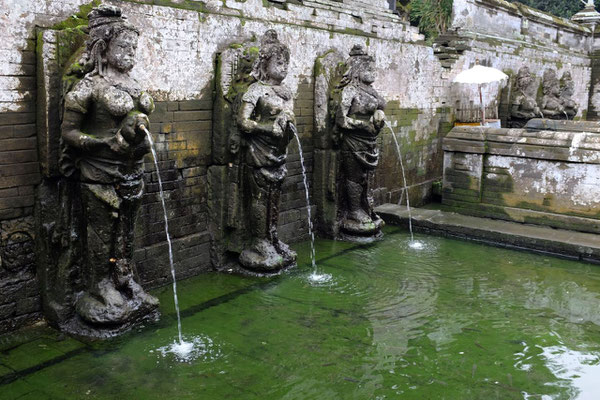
pixel 234 144
pixel 118 144
pixel 141 120
pixel 142 125
pixel 371 127
pixel 278 129
pixel 131 128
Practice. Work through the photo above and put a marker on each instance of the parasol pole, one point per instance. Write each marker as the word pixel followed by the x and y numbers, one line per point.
pixel 482 106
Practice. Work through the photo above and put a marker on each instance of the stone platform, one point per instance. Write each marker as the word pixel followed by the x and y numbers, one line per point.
pixel 558 242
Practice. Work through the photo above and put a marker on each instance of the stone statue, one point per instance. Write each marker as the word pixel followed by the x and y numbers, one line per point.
pixel 267 124
pixel 359 118
pixel 567 89
pixel 103 146
pixel 551 102
pixel 524 106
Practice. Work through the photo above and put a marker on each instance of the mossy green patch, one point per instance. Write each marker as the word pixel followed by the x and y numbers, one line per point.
pixel 80 18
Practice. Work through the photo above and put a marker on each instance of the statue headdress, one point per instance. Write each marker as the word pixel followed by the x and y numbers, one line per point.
pixel 105 23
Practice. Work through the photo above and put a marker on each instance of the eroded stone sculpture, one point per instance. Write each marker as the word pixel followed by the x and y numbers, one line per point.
pixel 346 141
pixel 101 161
pixel 552 106
pixel 524 105
pixel 567 89
pixel 266 122
pixel 256 116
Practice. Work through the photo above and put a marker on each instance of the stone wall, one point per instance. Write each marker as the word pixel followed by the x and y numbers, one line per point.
pixel 176 63
pixel 508 36
pixel 547 176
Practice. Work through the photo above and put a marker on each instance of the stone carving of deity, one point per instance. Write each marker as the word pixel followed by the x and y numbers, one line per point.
pixel 104 144
pixel 266 125
pixel 552 106
pixel 359 118
pixel 567 89
pixel 524 106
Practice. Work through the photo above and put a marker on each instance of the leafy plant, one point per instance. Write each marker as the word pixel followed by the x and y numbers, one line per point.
pixel 560 8
pixel 431 16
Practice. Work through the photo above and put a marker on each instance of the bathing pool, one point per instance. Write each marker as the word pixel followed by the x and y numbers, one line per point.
pixel 453 320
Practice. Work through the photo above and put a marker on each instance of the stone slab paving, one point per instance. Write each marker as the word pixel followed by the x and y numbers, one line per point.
pixel 570 244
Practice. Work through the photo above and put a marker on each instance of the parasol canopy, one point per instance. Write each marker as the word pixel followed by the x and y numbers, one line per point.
pixel 480 75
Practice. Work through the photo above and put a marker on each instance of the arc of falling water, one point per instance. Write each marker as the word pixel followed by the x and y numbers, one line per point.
pixel 412 238
pixel 310 224
pixel 164 207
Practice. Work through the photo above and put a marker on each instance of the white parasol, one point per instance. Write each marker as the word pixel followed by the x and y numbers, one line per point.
pixel 480 75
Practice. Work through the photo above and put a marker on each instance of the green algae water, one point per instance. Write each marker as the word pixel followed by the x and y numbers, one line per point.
pixel 454 320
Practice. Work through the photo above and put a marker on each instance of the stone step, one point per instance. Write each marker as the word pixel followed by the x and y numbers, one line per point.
pixel 357 10
pixel 558 242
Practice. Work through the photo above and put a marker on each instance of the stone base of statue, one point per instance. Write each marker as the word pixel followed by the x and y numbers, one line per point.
pixel 362 231
pixel 517 122
pixel 78 327
pixel 265 257
pixel 109 305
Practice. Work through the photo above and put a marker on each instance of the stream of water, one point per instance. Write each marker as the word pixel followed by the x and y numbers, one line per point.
pixel 182 348
pixel 413 244
pixel 315 276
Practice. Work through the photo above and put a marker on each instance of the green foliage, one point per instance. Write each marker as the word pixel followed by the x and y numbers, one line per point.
pixel 431 16
pixel 560 8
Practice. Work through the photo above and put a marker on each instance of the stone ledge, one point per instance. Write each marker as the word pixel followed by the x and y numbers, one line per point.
pixel 558 242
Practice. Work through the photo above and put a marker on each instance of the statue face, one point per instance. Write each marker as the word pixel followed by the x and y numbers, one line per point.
pixel 524 80
pixel 367 73
pixel 121 51
pixel 277 67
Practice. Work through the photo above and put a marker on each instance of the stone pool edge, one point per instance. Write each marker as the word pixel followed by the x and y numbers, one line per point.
pixel 557 242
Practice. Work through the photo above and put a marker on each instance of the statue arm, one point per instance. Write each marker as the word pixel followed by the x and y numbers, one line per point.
pixel 343 120
pixel 73 136
pixel 248 125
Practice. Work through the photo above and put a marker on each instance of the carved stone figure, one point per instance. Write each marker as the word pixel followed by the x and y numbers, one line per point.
pixel 266 122
pixel 567 89
pixel 254 123
pixel 524 105
pixel 358 115
pixel 551 102
pixel 102 151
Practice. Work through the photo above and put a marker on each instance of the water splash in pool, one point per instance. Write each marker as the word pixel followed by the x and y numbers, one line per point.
pixel 416 245
pixel 315 277
pixel 198 347
pixel 182 347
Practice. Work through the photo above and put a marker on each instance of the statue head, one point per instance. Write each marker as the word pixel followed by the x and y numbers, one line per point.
pixel 112 41
pixel 524 78
pixel 550 84
pixel 361 67
pixel 273 60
